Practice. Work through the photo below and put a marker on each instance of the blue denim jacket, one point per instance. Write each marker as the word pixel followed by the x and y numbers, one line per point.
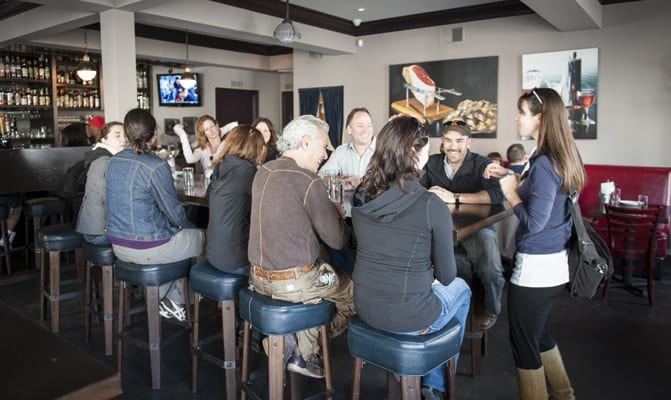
pixel 142 201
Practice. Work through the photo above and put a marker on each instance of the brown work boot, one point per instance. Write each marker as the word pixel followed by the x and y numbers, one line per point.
pixel 487 321
pixel 311 366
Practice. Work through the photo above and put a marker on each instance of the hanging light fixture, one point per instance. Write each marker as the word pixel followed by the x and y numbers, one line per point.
pixel 285 32
pixel 86 70
pixel 188 79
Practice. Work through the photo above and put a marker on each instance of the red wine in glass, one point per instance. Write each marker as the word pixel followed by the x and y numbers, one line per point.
pixel 586 99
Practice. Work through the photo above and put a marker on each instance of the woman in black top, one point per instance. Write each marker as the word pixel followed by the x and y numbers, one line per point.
pixel 405 273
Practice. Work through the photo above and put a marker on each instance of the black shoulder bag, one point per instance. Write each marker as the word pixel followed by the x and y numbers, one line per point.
pixel 589 258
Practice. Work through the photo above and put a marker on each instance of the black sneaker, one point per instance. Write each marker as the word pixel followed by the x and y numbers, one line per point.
pixel 432 393
pixel 311 366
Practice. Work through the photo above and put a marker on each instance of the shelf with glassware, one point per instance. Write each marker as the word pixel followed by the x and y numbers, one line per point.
pixel 143 73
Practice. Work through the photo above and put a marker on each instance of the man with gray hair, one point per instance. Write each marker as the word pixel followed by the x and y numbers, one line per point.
pixel 290 213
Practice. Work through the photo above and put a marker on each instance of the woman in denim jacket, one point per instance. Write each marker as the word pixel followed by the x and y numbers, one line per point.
pixel 146 224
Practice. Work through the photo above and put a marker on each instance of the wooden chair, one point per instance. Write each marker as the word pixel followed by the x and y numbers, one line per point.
pixel 632 242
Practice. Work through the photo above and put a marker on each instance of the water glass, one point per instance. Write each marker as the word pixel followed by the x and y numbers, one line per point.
pixel 616 196
pixel 335 189
pixel 189 178
pixel 643 201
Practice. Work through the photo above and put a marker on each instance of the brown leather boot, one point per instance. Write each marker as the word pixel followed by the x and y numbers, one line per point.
pixel 560 385
pixel 532 384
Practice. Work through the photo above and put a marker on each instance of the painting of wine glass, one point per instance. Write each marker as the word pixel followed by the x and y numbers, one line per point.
pixel 574 75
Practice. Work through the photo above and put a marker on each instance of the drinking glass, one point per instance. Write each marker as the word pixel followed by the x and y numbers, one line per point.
pixel 643 201
pixel 616 196
pixel 189 178
pixel 586 99
pixel 335 188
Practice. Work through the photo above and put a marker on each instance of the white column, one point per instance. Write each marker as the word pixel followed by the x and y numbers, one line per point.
pixel 117 43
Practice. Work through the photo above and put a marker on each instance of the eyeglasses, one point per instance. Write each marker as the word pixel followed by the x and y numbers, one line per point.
pixel 537 96
pixel 420 127
pixel 454 122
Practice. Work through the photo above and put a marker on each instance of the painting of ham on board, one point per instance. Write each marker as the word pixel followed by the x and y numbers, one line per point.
pixel 463 89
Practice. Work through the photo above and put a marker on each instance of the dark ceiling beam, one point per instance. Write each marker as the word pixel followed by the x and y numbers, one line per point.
pixel 13 7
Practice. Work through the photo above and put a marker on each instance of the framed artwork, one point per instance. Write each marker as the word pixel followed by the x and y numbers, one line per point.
pixel 574 75
pixel 439 91
pixel 189 125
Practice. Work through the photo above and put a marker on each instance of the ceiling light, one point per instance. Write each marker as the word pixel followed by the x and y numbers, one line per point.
pixel 188 80
pixel 86 70
pixel 285 32
pixel 362 9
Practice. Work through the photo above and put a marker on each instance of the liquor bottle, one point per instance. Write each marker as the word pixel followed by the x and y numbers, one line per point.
pixel 96 100
pixel 575 72
pixel 47 97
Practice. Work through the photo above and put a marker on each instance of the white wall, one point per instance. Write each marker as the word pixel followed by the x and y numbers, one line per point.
pixel 267 83
pixel 634 75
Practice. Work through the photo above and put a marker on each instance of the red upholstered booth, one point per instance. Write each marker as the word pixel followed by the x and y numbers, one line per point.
pixel 652 181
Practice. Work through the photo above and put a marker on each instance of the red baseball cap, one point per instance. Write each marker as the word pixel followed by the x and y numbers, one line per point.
pixel 98 122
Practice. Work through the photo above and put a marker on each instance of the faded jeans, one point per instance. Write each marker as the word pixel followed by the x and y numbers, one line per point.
pixel 307 289
pixel 456 300
pixel 482 249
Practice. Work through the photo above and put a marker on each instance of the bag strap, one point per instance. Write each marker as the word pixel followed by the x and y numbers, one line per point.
pixel 576 215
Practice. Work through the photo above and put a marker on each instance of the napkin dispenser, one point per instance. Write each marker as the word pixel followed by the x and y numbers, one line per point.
pixel 607 188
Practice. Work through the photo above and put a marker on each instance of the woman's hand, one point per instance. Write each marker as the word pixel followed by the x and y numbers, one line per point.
pixel 444 194
pixel 509 186
pixel 179 130
pixel 494 170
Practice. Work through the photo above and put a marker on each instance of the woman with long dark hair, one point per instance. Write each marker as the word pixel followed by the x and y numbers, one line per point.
pixel 541 269
pixel 267 129
pixel 146 223
pixel 405 275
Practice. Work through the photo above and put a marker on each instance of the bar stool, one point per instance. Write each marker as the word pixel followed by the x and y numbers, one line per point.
pixel 102 256
pixel 207 281
pixel 150 277
pixel 36 209
pixel 54 239
pixel 4 214
pixel 410 357
pixel 276 319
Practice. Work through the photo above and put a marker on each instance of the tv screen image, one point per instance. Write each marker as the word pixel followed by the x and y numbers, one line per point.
pixel 171 92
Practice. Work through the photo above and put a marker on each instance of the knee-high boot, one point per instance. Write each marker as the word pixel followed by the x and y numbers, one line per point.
pixel 560 385
pixel 532 384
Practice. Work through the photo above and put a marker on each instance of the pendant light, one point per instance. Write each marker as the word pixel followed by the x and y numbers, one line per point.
pixel 188 79
pixel 285 32
pixel 86 70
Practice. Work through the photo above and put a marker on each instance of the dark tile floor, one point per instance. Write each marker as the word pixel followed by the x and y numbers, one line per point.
pixel 612 350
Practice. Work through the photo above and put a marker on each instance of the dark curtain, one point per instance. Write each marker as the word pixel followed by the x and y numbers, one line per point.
pixel 308 100
pixel 333 107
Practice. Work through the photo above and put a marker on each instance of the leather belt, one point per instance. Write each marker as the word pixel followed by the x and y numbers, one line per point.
pixel 282 275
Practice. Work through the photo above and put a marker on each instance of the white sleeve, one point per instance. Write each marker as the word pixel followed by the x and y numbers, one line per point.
pixel 189 155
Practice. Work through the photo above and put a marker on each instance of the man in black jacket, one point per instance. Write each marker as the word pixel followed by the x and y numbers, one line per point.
pixel 456 175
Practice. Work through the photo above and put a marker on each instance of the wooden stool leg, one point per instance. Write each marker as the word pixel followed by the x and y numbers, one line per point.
pixel 194 343
pixel 43 290
pixel 87 299
pixel 411 388
pixel 228 317
pixel 121 324
pixel 356 378
pixel 36 248
pixel 5 244
pixel 154 329
pixel 276 367
pixel 80 265
pixel 393 387
pixel 451 371
pixel 244 373
pixel 108 307
pixel 327 360
pixel 54 288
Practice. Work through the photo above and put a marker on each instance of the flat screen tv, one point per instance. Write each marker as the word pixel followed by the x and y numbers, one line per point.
pixel 172 93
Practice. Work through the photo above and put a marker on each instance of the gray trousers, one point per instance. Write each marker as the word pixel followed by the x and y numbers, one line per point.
pixel 482 249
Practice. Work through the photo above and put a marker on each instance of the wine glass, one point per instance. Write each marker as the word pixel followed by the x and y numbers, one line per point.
pixel 586 98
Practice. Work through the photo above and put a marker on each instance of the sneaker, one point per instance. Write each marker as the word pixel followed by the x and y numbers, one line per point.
pixel 487 321
pixel 311 366
pixel 432 393
pixel 11 235
pixel 169 309
pixel 289 347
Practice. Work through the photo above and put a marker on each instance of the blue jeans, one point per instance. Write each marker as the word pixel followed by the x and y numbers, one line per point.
pixel 456 298
pixel 97 239
pixel 482 249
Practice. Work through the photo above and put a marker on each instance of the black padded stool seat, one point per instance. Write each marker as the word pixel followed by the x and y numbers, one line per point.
pixel 100 255
pixel 36 209
pixel 223 287
pixel 54 239
pixel 149 276
pixel 276 319
pixel 4 234
pixel 410 357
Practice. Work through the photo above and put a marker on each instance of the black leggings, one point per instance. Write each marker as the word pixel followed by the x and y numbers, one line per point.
pixel 528 309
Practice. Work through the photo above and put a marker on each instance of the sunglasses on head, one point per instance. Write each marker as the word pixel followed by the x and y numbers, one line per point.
pixel 533 91
pixel 420 127
pixel 454 122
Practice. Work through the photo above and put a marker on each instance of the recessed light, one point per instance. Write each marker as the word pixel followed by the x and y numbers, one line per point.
pixel 362 9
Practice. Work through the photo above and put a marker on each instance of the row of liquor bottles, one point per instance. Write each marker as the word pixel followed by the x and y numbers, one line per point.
pixel 22 67
pixel 71 78
pixel 78 98
pixel 24 96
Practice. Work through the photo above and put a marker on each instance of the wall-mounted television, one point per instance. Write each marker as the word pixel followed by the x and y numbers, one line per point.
pixel 172 93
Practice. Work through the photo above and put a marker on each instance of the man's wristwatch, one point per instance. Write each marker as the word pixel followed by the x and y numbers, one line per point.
pixel 457 196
